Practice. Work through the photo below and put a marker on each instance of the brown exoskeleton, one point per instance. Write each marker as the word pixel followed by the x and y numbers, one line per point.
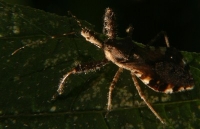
pixel 163 70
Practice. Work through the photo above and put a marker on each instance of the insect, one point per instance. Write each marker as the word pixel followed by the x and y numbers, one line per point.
pixel 161 69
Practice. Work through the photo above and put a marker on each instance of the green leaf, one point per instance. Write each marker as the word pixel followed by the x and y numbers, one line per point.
pixel 30 77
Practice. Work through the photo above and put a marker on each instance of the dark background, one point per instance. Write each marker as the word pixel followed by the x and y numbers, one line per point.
pixel 30 94
pixel 179 18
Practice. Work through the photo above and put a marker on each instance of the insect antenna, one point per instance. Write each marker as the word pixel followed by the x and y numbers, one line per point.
pixel 75 18
pixel 50 37
pixel 22 48
pixel 47 35
pixel 87 33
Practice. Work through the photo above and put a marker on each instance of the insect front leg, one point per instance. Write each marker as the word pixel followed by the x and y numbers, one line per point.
pixel 81 68
pixel 109 28
pixel 129 31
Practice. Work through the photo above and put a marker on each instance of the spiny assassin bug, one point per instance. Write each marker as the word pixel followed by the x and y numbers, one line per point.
pixel 163 70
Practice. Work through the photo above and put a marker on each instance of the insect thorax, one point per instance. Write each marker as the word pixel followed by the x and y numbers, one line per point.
pixel 118 50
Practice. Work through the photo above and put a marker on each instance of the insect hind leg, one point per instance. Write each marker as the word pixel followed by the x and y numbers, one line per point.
pixel 162 33
pixel 144 99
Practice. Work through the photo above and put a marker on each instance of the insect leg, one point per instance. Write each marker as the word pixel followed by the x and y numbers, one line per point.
pixel 162 33
pixel 143 97
pixel 112 86
pixel 109 24
pixel 81 68
pixel 129 31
